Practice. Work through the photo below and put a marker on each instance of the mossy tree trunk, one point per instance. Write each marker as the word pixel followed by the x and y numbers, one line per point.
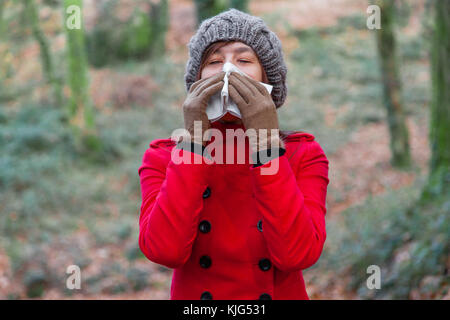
pixel 239 4
pixel 439 176
pixel 209 8
pixel 387 53
pixel 80 109
pixel 2 7
pixel 159 24
pixel 48 69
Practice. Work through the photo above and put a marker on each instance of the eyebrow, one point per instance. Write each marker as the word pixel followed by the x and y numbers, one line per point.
pixel 238 50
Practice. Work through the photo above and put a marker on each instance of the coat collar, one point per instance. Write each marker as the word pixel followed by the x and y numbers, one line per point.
pixel 223 126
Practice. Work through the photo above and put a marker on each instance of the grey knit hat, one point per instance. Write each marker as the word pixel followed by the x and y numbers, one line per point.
pixel 237 25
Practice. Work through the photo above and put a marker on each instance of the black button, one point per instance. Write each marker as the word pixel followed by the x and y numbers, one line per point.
pixel 206 295
pixel 265 296
pixel 259 225
pixel 205 262
pixel 265 264
pixel 206 193
pixel 204 226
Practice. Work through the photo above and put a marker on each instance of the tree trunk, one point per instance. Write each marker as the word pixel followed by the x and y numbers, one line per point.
pixel 46 56
pixel 80 109
pixel 159 19
pixel 2 6
pixel 241 5
pixel 209 8
pixel 386 43
pixel 439 177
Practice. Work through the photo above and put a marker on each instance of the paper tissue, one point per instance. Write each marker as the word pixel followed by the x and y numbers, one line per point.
pixel 220 103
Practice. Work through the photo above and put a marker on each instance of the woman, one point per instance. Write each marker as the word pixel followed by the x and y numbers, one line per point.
pixel 228 230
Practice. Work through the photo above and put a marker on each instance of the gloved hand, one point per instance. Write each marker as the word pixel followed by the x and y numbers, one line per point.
pixel 194 107
pixel 258 111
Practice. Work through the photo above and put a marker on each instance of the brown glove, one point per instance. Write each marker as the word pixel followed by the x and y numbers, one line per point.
pixel 258 111
pixel 194 107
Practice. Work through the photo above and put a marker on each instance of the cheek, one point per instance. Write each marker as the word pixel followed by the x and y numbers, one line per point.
pixel 254 71
pixel 209 71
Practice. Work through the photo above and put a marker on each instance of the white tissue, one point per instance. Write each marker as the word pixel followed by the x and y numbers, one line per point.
pixel 220 103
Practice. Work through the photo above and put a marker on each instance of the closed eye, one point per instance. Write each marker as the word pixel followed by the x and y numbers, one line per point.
pixel 243 61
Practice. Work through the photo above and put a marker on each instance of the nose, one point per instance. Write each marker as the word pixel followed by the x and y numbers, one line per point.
pixel 230 58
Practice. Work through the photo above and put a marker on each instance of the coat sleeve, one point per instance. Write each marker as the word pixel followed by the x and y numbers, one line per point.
pixel 171 204
pixel 293 208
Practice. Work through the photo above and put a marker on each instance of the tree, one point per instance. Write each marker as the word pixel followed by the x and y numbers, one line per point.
pixel 239 4
pixel 159 20
pixel 439 176
pixel 2 6
pixel 80 109
pixel 209 8
pixel 140 37
pixel 13 30
pixel 46 56
pixel 387 53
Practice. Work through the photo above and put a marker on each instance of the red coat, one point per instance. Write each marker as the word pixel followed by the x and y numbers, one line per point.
pixel 228 231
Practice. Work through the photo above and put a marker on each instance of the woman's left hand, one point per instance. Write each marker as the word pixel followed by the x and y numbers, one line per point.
pixel 257 109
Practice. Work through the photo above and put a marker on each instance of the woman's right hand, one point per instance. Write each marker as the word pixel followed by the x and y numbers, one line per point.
pixel 194 107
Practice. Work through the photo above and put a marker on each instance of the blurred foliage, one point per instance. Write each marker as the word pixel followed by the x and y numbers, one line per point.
pixel 80 110
pixel 49 188
pixel 35 281
pixel 30 131
pixel 410 244
pixel 403 10
pixel 208 8
pixel 339 71
pixel 387 48
pixel 439 179
pixel 241 5
pixel 61 205
pixel 47 62
pixel 139 37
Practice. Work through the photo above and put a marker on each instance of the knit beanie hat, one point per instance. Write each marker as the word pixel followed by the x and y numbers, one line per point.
pixel 240 26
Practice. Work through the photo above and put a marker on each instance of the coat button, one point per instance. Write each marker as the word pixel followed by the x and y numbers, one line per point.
pixel 206 193
pixel 204 226
pixel 265 296
pixel 259 225
pixel 264 264
pixel 206 295
pixel 205 262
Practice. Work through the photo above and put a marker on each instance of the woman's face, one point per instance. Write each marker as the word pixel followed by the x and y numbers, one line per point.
pixel 239 54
